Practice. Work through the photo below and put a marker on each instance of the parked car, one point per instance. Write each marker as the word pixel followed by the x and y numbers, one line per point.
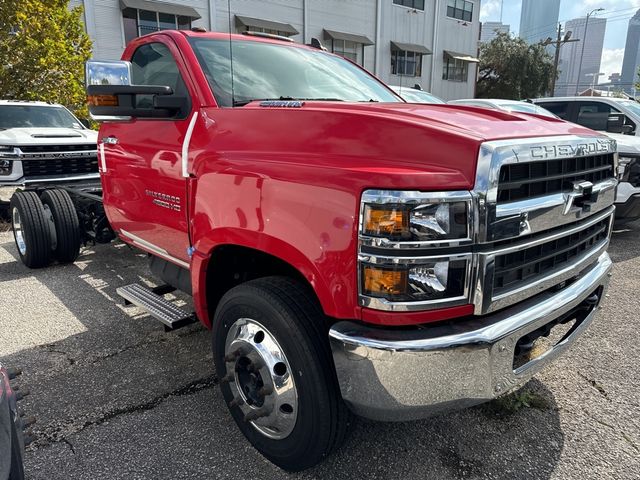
pixel 348 251
pixel 415 95
pixel 11 426
pixel 619 118
pixel 506 105
pixel 43 144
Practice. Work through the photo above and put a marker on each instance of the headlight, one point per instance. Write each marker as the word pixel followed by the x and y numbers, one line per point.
pixel 428 280
pixel 419 221
pixel 415 217
pixel 5 167
pixel 629 170
pixel 6 153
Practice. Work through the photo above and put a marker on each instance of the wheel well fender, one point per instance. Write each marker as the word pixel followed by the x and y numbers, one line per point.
pixel 232 256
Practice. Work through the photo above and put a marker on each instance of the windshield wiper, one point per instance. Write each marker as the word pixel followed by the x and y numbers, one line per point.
pixel 242 103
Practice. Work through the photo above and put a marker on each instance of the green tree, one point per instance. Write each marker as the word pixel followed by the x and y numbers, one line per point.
pixel 43 48
pixel 512 69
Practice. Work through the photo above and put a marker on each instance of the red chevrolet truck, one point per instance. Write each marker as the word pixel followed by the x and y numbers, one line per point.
pixel 349 251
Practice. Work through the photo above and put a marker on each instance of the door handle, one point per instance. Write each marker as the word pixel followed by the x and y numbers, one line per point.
pixel 110 140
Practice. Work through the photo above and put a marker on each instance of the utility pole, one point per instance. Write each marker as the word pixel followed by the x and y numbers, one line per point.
pixel 557 44
pixel 586 26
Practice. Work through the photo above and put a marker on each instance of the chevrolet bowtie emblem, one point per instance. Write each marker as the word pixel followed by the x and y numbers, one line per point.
pixel 581 196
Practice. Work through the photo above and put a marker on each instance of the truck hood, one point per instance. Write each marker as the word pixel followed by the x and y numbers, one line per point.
pixel 386 145
pixel 479 123
pixel 47 136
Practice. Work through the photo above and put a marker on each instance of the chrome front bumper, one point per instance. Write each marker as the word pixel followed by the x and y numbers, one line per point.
pixel 405 374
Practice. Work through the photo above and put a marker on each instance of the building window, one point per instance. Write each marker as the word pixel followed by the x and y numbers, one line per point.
pixel 406 63
pixel 455 70
pixel 417 4
pixel 347 49
pixel 460 9
pixel 140 22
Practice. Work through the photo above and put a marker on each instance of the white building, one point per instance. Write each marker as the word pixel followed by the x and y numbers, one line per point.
pixel 574 63
pixel 490 30
pixel 433 43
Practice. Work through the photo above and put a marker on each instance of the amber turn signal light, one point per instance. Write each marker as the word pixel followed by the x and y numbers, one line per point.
pixel 385 222
pixel 102 100
pixel 380 282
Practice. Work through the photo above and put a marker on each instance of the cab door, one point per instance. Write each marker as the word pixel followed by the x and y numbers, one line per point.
pixel 144 188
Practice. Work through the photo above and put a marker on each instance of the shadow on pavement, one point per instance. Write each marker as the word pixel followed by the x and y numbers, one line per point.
pixel 626 238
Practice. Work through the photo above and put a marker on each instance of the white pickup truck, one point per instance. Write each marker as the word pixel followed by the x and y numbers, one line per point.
pixel 43 144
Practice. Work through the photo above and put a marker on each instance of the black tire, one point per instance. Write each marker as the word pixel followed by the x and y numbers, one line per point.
pixel 36 238
pixel 290 312
pixel 65 218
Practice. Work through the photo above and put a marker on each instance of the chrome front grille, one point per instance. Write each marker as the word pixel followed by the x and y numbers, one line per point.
pixel 544 214
pixel 519 181
pixel 525 265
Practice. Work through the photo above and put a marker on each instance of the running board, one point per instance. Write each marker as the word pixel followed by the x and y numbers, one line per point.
pixel 171 316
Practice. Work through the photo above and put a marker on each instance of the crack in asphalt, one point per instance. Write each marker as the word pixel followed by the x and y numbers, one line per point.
pixel 595 385
pixel 49 436
pixel 64 440
pixel 97 358
pixel 50 348
pixel 615 429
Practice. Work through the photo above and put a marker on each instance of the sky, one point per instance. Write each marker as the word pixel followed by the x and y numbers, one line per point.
pixel 617 13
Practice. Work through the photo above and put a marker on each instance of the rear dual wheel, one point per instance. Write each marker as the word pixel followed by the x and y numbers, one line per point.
pixel 31 230
pixel 273 358
pixel 67 226
pixel 45 227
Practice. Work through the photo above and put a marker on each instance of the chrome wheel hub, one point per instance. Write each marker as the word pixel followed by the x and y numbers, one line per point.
pixel 260 378
pixel 17 231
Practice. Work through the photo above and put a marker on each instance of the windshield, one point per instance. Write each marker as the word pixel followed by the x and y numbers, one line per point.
pixel 634 107
pixel 527 108
pixel 417 96
pixel 267 71
pixel 34 116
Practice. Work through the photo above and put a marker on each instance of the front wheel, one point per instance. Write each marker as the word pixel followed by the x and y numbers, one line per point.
pixel 273 358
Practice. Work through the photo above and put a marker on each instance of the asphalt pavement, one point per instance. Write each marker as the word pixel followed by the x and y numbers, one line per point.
pixel 117 397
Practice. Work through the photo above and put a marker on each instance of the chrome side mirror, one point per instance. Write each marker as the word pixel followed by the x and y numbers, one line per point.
pixel 106 72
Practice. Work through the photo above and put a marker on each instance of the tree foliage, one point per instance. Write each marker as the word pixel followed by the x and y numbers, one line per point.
pixel 43 48
pixel 512 69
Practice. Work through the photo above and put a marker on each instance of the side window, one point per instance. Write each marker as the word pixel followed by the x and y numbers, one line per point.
pixel 561 109
pixel 153 64
pixel 594 115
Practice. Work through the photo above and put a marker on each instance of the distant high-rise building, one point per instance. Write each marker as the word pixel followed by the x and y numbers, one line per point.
pixel 539 20
pixel 631 60
pixel 489 30
pixel 571 55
